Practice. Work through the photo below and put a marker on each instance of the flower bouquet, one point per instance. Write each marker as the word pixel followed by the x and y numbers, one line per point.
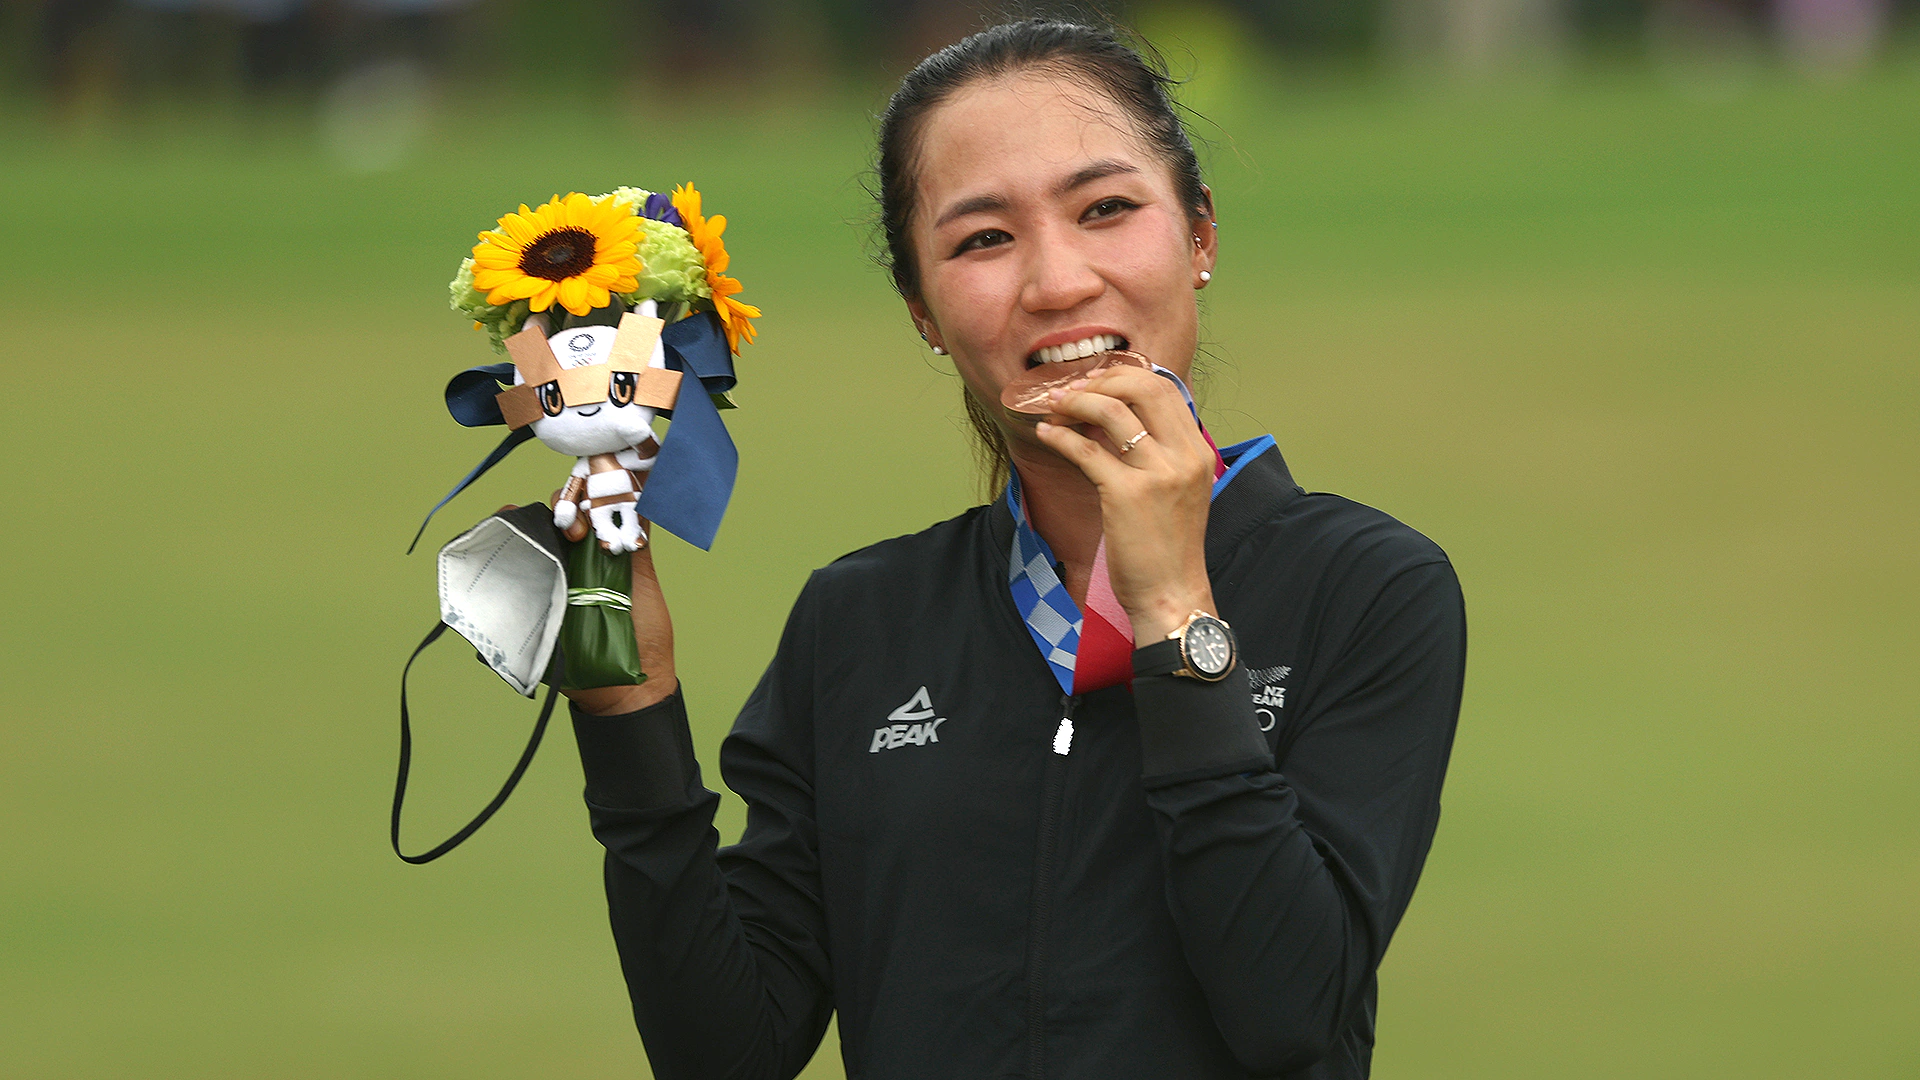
pixel 614 310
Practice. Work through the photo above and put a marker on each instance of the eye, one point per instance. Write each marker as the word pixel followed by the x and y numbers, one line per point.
pixel 625 383
pixel 983 239
pixel 550 401
pixel 1107 208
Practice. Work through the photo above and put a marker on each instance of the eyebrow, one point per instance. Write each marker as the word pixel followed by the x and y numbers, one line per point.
pixel 977 204
pixel 1099 170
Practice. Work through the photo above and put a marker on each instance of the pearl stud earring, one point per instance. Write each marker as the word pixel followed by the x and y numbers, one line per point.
pixel 938 351
pixel 1205 276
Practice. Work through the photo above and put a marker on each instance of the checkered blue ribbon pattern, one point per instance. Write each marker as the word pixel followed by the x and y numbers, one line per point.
pixel 1051 615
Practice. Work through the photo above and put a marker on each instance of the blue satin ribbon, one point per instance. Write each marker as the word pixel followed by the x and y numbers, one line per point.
pixel 692 480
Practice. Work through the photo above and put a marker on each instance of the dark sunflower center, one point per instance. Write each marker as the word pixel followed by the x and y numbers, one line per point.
pixel 558 255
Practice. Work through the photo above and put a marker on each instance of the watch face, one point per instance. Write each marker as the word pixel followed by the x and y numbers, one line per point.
pixel 1208 649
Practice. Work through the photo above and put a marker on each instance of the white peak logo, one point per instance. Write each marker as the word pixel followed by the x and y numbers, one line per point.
pixel 913 725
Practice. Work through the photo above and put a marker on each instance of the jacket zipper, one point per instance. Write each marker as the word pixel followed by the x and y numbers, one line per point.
pixel 1041 914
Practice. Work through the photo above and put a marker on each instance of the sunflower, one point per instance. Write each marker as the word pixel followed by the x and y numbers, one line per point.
pixel 705 233
pixel 575 251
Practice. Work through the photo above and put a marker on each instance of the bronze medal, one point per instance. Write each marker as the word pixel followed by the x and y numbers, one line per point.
pixel 1026 396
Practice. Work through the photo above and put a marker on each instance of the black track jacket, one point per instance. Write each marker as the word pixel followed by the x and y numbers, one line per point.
pixel 1202 885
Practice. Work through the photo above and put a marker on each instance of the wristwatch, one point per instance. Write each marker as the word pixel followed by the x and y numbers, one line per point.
pixel 1203 648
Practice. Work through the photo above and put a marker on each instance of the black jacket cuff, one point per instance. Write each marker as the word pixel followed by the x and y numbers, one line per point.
pixel 1192 730
pixel 638 760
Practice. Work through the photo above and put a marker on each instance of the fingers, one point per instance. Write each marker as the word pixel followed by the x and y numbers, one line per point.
pixel 1120 403
pixel 1155 400
pixel 1110 414
pixel 1100 465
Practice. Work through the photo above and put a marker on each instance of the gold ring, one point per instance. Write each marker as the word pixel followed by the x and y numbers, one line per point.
pixel 1133 442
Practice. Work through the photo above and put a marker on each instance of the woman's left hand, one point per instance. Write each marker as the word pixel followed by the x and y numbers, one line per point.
pixel 1153 497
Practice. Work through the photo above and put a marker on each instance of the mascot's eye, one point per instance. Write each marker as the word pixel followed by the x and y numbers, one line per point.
pixel 550 401
pixel 625 383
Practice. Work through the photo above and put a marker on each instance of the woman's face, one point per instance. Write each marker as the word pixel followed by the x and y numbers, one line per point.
pixel 1043 220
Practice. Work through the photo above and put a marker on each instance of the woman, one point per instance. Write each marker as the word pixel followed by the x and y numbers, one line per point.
pixel 967 833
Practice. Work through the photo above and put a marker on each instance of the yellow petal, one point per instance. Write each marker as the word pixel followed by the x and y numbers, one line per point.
pixel 608 216
pixel 620 233
pixel 687 201
pixel 518 229
pixel 543 299
pixel 546 219
pixel 488 278
pixel 519 287
pixel 574 294
pixel 599 275
pixel 716 225
pixel 491 257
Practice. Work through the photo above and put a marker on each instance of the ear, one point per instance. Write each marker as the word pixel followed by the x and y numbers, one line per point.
pixel 1207 251
pixel 923 322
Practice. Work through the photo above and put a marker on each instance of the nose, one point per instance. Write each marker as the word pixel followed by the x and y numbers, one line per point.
pixel 1058 276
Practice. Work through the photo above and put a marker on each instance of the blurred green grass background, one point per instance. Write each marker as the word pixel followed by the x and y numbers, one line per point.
pixel 1643 361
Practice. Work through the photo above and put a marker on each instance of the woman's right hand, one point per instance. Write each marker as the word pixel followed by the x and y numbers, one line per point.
pixel 652 633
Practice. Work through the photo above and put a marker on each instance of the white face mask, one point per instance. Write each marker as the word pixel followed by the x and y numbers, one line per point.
pixel 503 587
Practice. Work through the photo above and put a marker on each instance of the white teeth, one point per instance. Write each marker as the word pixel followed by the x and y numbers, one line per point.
pixel 1054 354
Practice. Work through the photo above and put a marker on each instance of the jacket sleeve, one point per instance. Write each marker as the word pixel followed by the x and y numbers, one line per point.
pixel 724 950
pixel 1286 879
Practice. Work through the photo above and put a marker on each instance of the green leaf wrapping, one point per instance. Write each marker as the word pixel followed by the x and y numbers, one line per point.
pixel 596 636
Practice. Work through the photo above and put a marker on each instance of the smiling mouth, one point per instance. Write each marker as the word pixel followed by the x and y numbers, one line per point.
pixel 1074 350
pixel 595 411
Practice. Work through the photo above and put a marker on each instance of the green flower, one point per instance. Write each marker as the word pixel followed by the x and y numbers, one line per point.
pixel 500 322
pixel 632 196
pixel 671 268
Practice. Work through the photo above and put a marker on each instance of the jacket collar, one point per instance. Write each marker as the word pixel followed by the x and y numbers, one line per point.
pixel 1259 486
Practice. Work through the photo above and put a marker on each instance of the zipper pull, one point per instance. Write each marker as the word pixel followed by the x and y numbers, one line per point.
pixel 1063 736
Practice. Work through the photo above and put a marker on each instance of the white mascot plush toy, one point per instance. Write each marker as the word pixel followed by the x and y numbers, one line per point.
pixel 591 391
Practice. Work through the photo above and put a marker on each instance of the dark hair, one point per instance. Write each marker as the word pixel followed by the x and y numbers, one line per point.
pixel 1097 54
pixel 1094 53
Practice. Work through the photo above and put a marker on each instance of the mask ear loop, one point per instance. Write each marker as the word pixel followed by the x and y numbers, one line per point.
pixel 406 758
